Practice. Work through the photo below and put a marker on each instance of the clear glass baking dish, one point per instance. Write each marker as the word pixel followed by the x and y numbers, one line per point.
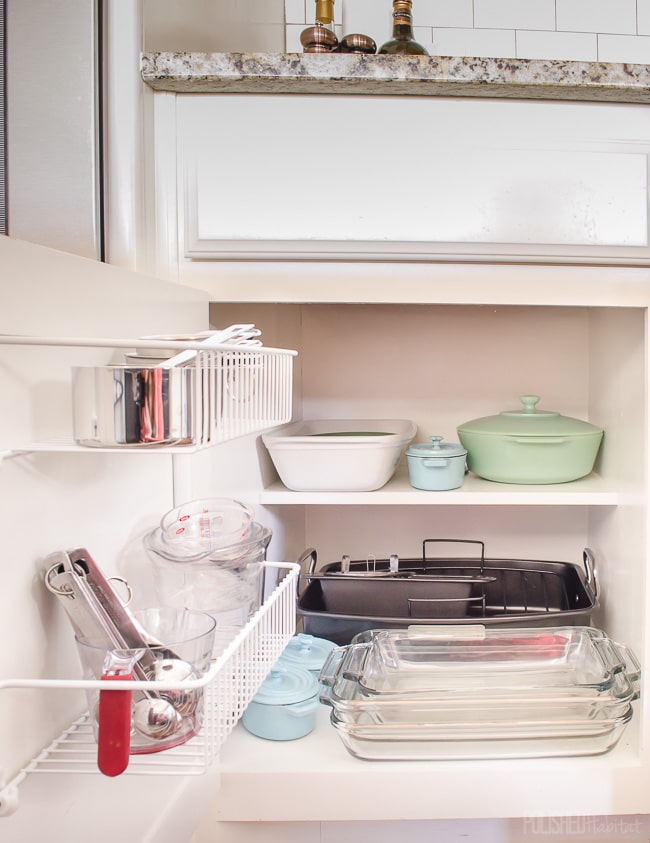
pixel 519 739
pixel 352 706
pixel 475 660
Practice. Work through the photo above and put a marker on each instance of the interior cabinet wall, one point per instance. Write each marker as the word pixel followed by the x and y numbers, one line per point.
pixel 441 366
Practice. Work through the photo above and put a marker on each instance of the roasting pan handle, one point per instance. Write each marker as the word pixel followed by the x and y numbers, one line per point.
pixel 308 556
pixel 590 570
pixel 307 562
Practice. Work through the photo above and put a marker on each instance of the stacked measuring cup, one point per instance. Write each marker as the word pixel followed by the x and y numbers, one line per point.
pixel 208 555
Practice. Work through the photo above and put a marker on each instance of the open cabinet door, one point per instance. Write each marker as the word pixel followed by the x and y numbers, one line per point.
pixel 52 500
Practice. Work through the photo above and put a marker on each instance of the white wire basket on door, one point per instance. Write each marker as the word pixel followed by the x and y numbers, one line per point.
pixel 221 393
pixel 229 685
pixel 248 390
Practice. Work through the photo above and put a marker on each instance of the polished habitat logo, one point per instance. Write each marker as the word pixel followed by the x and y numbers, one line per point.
pixel 591 828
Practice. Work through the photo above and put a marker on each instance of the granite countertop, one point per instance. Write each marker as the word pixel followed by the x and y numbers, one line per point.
pixel 286 73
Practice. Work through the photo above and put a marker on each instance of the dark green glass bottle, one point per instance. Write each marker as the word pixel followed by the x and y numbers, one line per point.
pixel 402 42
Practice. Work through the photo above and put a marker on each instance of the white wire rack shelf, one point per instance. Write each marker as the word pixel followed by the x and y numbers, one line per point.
pixel 230 391
pixel 229 685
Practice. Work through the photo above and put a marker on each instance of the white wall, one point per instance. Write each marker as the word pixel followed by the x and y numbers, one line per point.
pixel 214 25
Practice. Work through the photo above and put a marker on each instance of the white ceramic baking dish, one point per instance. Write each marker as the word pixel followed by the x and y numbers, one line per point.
pixel 339 455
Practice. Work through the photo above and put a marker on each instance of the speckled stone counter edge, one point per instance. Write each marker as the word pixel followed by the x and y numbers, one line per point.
pixel 285 73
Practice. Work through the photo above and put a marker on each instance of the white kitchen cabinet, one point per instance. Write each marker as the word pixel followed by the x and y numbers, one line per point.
pixel 375 179
pixel 380 334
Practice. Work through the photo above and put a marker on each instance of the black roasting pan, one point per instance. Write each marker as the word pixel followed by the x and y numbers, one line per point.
pixel 346 597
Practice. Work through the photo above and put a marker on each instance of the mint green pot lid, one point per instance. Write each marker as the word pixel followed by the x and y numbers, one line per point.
pixel 529 421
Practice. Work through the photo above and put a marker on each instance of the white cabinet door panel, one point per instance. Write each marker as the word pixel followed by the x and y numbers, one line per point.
pixel 374 178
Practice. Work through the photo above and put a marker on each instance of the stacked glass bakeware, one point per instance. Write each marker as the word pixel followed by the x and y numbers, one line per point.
pixel 474 692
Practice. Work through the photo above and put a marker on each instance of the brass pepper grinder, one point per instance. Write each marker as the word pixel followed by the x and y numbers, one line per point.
pixel 357 43
pixel 320 38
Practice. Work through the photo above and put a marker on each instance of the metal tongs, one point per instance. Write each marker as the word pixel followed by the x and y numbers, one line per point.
pixel 98 615
pixel 95 608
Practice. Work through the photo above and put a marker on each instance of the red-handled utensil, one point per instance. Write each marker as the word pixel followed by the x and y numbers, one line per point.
pixel 114 728
pixel 114 713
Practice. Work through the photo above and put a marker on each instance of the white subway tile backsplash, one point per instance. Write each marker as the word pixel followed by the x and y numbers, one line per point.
pixel 630 49
pixel 643 17
pixel 294 11
pixel 563 46
pixel 423 35
pixel 459 13
pixel 370 17
pixel 484 43
pixel 293 44
pixel 514 14
pixel 613 16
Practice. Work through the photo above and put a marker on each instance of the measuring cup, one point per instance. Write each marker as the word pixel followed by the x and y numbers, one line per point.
pixel 158 719
pixel 203 525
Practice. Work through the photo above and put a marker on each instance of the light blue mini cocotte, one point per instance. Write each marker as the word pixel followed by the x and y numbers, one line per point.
pixel 285 706
pixel 436 466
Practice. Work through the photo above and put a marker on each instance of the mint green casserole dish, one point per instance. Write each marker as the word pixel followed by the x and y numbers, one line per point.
pixel 530 446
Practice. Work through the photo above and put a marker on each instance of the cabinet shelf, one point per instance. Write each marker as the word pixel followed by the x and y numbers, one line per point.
pixel 589 491
pixel 319 764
